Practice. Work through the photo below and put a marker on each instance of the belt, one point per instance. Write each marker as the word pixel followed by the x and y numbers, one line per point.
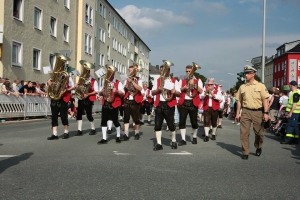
pixel 254 109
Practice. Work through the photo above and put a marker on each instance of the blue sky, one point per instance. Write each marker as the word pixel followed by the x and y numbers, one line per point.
pixel 218 35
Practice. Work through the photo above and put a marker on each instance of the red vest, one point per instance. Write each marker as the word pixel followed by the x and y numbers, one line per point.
pixel 215 102
pixel 138 97
pixel 149 98
pixel 117 101
pixel 92 97
pixel 170 103
pixel 67 95
pixel 196 99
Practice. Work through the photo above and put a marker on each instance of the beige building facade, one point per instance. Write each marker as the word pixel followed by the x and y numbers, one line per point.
pixel 32 32
pixel 91 29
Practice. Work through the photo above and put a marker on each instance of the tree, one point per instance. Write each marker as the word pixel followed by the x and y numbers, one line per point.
pixel 203 78
pixel 150 84
pixel 239 83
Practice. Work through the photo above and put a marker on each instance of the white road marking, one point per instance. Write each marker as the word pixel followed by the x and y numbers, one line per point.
pixel 121 154
pixel 182 153
pixel 7 156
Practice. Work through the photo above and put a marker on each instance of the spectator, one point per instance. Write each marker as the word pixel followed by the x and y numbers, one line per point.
pixel 9 89
pixel 1 85
pixel 38 90
pixel 15 85
pixel 28 89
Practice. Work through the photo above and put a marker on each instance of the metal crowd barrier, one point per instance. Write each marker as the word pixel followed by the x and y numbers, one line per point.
pixel 29 106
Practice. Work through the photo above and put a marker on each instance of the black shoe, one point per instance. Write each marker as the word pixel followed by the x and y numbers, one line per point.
pixel 109 131
pixel 79 133
pixel 102 141
pixel 158 147
pixel 92 132
pixel 141 123
pixel 258 152
pixel 181 143
pixel 174 145
pixel 137 136
pixel 194 141
pixel 206 139
pixel 220 126
pixel 125 138
pixel 245 157
pixel 210 131
pixel 149 122
pixel 118 140
pixel 65 136
pixel 213 137
pixel 285 142
pixel 53 137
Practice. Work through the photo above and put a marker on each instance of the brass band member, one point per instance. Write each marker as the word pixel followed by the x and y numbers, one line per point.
pixel 112 93
pixel 165 110
pixel 188 104
pixel 132 102
pixel 212 96
pixel 146 103
pixel 59 90
pixel 86 102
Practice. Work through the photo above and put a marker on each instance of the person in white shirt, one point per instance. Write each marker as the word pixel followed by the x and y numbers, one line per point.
pixel 146 103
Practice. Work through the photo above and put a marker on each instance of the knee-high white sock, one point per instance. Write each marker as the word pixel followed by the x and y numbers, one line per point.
pixel 174 136
pixel 118 129
pixel 92 125
pixel 214 131
pixel 126 132
pixel 109 124
pixel 206 130
pixel 79 123
pixel 55 133
pixel 195 131
pixel 66 131
pixel 104 134
pixel 158 137
pixel 183 132
pixel 149 117
pixel 210 127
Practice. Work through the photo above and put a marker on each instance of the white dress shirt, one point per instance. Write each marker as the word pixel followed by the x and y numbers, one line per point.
pixel 218 96
pixel 161 98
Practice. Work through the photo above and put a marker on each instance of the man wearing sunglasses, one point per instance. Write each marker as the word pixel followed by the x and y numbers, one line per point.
pixel 188 104
pixel 253 98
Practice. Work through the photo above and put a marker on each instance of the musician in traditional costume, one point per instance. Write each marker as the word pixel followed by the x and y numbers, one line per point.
pixel 132 99
pixel 146 103
pixel 212 96
pixel 189 102
pixel 165 102
pixel 112 93
pixel 86 92
pixel 60 86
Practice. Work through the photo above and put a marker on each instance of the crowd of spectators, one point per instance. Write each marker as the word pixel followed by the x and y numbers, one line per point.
pixel 19 88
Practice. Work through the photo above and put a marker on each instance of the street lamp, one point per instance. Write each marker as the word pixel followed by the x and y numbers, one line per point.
pixel 263 44
pixel 228 84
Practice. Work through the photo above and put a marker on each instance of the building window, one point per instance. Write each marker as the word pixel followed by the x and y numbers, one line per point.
pixel 102 10
pixel 108 52
pixel 90 44
pixel 67 3
pixel 102 35
pixel 101 59
pixel 18 7
pixel 53 23
pixel 37 21
pixel 16 58
pixel 66 33
pixel 275 67
pixel 88 41
pixel 52 59
pixel 108 30
pixel 88 14
pixel 36 59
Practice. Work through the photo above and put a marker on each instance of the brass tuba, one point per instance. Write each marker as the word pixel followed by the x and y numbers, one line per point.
pixel 84 83
pixel 165 93
pixel 192 86
pixel 132 90
pixel 108 85
pixel 59 77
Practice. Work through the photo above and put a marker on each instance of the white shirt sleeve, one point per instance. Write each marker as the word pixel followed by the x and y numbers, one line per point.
pixel 71 83
pixel 140 83
pixel 96 88
pixel 120 87
pixel 177 88
pixel 200 84
pixel 218 95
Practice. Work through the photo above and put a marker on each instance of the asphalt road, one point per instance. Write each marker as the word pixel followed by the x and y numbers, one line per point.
pixel 31 167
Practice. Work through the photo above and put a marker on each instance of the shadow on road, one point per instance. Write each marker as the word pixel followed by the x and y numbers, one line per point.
pixel 236 150
pixel 10 162
pixel 295 151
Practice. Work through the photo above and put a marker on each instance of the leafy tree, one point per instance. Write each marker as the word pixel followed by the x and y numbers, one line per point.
pixel 150 83
pixel 203 78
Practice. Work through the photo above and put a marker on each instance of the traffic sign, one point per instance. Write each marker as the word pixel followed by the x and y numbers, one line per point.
pixel 66 52
pixel 257 60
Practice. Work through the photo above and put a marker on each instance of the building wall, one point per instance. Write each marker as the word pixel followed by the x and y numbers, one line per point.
pixel 1 23
pixel 281 71
pixel 23 32
pixel 269 74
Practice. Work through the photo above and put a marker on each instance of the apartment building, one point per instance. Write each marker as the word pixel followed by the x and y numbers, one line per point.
pixel 32 32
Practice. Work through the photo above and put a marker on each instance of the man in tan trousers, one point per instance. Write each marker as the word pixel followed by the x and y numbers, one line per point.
pixel 253 98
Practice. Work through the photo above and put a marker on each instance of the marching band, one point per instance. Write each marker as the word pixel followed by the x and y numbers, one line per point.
pixel 134 97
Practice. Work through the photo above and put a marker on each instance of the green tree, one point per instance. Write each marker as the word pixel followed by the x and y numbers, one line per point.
pixel 150 83
pixel 203 78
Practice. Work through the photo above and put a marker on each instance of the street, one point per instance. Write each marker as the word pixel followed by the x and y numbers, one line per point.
pixel 31 167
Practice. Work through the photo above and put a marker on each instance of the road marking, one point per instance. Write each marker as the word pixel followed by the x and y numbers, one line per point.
pixel 182 153
pixel 7 156
pixel 121 154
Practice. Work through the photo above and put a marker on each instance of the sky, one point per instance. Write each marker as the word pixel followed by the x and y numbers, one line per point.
pixel 219 35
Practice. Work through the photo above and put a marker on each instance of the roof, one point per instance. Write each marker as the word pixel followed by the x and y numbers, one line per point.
pixel 153 70
pixel 295 49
